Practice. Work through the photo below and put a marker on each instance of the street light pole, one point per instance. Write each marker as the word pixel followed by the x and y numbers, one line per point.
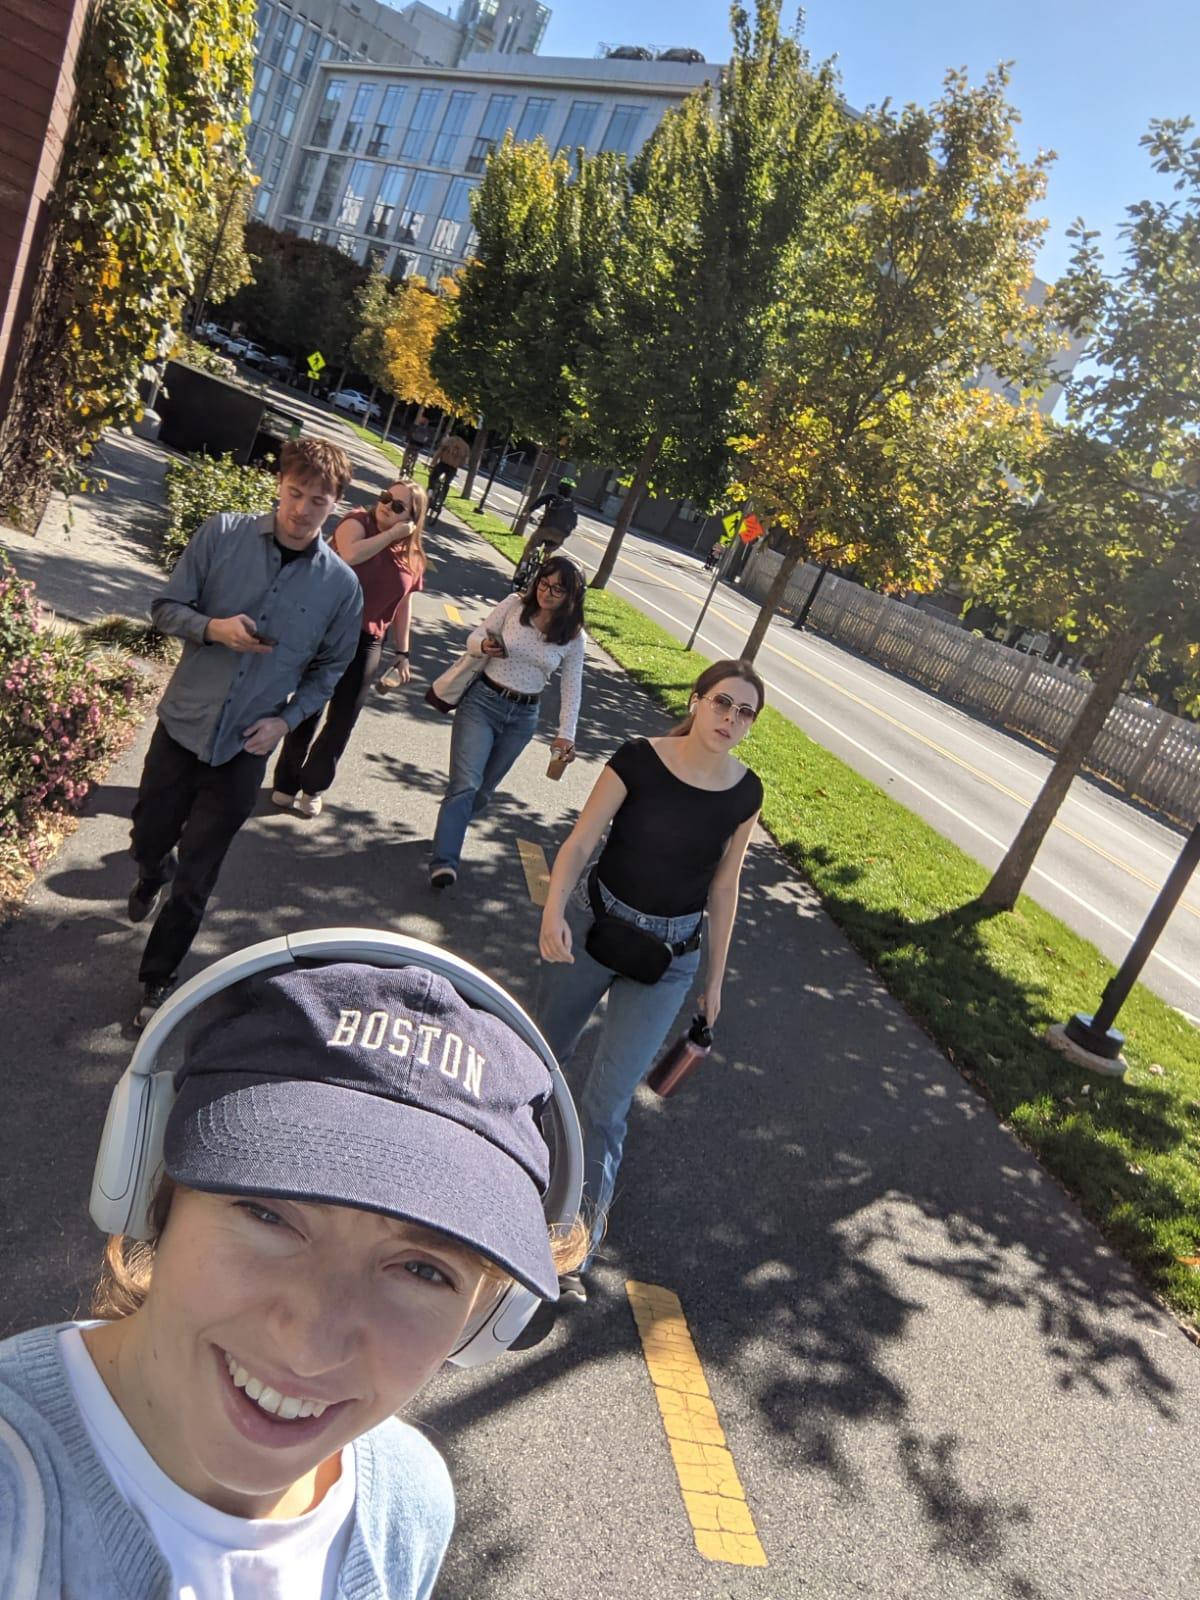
pixel 1096 1035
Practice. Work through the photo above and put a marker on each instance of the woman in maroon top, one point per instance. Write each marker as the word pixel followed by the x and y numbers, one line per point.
pixel 383 545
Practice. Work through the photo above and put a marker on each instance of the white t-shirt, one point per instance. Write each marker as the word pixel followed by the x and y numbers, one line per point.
pixel 212 1555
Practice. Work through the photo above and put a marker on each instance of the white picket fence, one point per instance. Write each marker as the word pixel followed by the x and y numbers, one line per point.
pixel 1147 752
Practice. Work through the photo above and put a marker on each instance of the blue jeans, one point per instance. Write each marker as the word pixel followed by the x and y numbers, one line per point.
pixel 489 734
pixel 636 1022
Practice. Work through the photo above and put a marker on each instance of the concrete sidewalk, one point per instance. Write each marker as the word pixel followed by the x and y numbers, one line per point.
pixel 933 1375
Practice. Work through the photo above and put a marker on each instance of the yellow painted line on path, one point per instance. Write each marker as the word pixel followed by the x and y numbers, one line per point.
pixel 537 870
pixel 452 612
pixel 722 1525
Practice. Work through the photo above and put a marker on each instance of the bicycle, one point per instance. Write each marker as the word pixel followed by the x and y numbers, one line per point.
pixel 437 499
pixel 530 562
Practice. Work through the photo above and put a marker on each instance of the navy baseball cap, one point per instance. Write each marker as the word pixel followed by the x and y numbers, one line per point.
pixel 374 1087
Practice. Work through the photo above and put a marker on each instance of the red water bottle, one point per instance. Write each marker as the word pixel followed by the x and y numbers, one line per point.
pixel 678 1059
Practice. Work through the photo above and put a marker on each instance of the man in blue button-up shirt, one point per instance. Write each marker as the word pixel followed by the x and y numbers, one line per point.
pixel 269 618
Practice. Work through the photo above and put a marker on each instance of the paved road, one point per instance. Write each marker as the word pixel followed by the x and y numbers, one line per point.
pixel 1104 860
pixel 932 1377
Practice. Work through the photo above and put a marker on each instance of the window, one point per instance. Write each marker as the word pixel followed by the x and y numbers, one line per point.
pixel 331 185
pixel 302 182
pixel 422 121
pixel 311 45
pixel 362 175
pixel 491 130
pixel 385 123
pixel 288 120
pixel 287 61
pixel 412 218
pixel 622 128
pixel 278 102
pixel 439 268
pixel 352 132
pixel 534 118
pixel 383 212
pixel 581 121
pixel 275 165
pixel 403 265
pixel 328 110
pixel 347 244
pixel 447 141
pixel 456 212
pixel 262 201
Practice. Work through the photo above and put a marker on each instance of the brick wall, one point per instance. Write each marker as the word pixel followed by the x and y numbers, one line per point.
pixel 39 42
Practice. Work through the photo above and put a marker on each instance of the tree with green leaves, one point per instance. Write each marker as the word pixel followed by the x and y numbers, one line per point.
pixel 1108 551
pixel 872 439
pixel 303 297
pixel 547 239
pixel 720 203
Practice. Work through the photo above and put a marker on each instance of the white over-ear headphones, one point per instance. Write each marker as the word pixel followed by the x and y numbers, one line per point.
pixel 129 1162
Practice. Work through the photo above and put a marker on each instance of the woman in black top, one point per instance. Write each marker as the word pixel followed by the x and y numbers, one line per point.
pixel 682 811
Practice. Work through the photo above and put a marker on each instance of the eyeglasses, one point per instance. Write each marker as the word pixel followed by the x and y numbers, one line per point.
pixel 723 705
pixel 554 590
pixel 386 499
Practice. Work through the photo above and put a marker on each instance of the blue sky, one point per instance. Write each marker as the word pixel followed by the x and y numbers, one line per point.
pixel 1088 77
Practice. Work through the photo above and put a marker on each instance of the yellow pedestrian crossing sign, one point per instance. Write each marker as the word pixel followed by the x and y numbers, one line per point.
pixel 316 363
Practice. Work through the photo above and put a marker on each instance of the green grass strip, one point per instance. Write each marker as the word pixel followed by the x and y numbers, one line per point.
pixel 985 986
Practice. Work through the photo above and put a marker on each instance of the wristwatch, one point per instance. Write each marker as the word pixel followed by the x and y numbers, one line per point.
pixel 404 653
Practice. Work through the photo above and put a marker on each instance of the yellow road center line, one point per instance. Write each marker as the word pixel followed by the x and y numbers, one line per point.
pixel 452 612
pixel 537 870
pixel 713 1497
pixel 921 738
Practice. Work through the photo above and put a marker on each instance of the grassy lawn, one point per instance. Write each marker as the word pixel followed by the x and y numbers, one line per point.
pixel 985 986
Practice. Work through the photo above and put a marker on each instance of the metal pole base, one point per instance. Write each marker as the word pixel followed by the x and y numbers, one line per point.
pixel 1108 1062
pixel 1081 1031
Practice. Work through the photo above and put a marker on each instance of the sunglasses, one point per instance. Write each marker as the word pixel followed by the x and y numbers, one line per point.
pixel 554 590
pixel 723 705
pixel 388 500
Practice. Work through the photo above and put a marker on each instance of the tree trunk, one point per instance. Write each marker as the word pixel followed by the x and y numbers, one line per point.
pixel 477 448
pixel 387 427
pixel 629 505
pixel 1009 877
pixel 541 471
pixel 793 556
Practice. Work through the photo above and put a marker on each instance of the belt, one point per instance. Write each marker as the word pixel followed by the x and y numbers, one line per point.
pixel 510 694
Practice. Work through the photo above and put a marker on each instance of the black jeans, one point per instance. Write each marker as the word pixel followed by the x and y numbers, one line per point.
pixel 312 770
pixel 442 469
pixel 183 801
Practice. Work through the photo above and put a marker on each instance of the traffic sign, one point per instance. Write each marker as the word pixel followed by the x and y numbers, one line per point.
pixel 316 363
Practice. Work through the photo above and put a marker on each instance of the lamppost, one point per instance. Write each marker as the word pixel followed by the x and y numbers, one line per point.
pixel 1093 1041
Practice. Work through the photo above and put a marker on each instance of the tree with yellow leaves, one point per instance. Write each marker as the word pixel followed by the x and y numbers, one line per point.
pixel 415 315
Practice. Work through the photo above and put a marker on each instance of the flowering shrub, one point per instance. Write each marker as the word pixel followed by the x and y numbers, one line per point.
pixel 199 485
pixel 57 712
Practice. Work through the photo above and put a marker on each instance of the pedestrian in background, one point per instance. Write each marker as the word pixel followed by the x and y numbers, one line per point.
pixel 382 543
pixel 526 639
pixel 682 811
pixel 269 615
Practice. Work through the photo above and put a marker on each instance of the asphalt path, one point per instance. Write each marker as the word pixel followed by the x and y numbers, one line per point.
pixel 1104 859
pixel 932 1376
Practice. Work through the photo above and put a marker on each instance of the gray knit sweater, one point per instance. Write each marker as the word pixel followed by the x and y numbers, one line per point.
pixel 67 1534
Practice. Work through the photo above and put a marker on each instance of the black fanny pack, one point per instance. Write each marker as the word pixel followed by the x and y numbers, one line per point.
pixel 626 949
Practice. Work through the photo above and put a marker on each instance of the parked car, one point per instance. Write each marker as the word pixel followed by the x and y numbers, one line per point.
pixel 278 366
pixel 354 402
pixel 246 350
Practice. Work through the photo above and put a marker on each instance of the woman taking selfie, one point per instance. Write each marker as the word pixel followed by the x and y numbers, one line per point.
pixel 331 1227
pixel 526 639
pixel 383 545
pixel 682 811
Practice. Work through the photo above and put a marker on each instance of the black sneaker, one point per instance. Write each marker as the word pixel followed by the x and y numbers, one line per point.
pixel 153 996
pixel 143 898
pixel 443 878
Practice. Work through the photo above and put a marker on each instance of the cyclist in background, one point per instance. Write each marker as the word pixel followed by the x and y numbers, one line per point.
pixel 452 453
pixel 559 518
pixel 419 435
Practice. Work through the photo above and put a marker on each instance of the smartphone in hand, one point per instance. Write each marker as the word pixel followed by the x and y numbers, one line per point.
pixel 262 638
pixel 494 638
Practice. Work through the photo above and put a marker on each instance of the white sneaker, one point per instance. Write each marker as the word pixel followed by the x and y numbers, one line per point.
pixel 278 798
pixel 308 805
